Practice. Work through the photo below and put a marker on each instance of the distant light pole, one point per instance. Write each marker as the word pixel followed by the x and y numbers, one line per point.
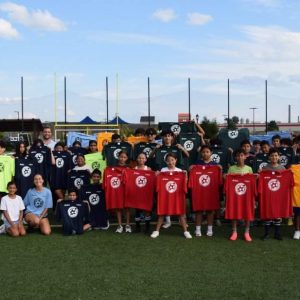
pixel 253 117
pixel 16 111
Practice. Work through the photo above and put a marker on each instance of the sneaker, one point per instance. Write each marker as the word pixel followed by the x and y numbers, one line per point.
pixel 2 229
pixel 218 223
pixel 167 225
pixel 187 235
pixel 247 237
pixel 296 235
pixel 128 229
pixel 155 234
pixel 209 233
pixel 233 236
pixel 198 233
pixel 290 222
pixel 119 229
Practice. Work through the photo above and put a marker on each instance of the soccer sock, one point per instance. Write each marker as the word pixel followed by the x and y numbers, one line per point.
pixel 168 219
pixel 247 229
pixel 198 228
pixel 277 229
pixel 267 229
pixel 209 228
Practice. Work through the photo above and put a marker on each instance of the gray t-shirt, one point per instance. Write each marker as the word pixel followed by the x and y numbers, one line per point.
pixel 269 167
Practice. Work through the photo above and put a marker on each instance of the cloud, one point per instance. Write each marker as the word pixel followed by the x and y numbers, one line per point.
pixel 164 15
pixel 198 19
pixel 8 100
pixel 264 3
pixel 39 19
pixel 7 30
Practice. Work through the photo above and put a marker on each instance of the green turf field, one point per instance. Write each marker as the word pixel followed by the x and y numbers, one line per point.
pixel 106 265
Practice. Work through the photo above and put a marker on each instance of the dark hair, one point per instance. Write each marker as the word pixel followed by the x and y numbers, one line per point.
pixel 274 150
pixel 264 143
pixel 166 132
pixel 2 144
pixel 286 141
pixel 46 127
pixel 80 155
pixel 18 152
pixel 139 131
pixel 61 144
pixel 92 142
pixel 10 183
pixel 73 191
pixel 115 136
pixel 37 142
pixel 276 136
pixel 96 172
pixel 206 147
pixel 123 152
pixel 150 131
pixel 245 142
pixel 76 143
pixel 256 142
pixel 141 153
pixel 239 151
pixel 171 155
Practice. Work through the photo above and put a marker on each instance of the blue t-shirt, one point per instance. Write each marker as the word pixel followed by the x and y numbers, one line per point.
pixel 201 162
pixel 35 202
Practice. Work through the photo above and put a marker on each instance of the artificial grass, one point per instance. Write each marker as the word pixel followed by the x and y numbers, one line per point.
pixel 106 265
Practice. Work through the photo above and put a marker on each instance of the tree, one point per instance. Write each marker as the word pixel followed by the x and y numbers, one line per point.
pixel 210 127
pixel 272 126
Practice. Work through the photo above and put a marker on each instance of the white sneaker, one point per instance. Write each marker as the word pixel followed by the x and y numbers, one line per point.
pixel 119 229
pixel 209 233
pixel 296 235
pixel 198 233
pixel 167 225
pixel 155 234
pixel 2 229
pixel 128 228
pixel 187 235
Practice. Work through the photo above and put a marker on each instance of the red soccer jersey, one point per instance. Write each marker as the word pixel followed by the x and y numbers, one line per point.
pixel 240 191
pixel 113 187
pixel 275 194
pixel 205 183
pixel 139 188
pixel 171 188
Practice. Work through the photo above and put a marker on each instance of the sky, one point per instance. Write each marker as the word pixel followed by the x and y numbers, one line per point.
pixel 169 41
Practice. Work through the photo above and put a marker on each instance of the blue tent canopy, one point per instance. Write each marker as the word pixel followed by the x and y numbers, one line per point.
pixel 87 120
pixel 117 120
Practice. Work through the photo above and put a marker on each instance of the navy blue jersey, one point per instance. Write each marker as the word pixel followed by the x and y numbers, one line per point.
pixel 25 169
pixel 222 157
pixel 260 161
pixel 178 128
pixel 111 152
pixel 233 138
pixel 74 152
pixel 59 171
pixel 73 215
pixel 287 156
pixel 147 148
pixel 94 194
pixel 161 153
pixel 76 179
pixel 42 154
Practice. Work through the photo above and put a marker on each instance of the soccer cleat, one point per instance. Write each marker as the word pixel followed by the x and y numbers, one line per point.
pixel 296 235
pixel 167 225
pixel 233 236
pixel 2 229
pixel 128 229
pixel 155 234
pixel 198 233
pixel 187 235
pixel 209 233
pixel 247 237
pixel 119 229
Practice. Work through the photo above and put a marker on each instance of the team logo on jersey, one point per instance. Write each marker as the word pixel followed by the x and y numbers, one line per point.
pixel 39 157
pixel 95 165
pixel 74 160
pixel 175 129
pixel 78 139
pixel 283 160
pixel 240 189
pixel 59 162
pixel 38 202
pixel 216 158
pixel 73 212
pixel 1 167
pixel 116 153
pixel 274 185
pixel 233 134
pixel 204 180
pixel 147 151
pixel 26 171
pixel 188 145
pixel 141 181
pixel 78 182
pixel 171 187
pixel 263 164
pixel 115 182
pixel 94 199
